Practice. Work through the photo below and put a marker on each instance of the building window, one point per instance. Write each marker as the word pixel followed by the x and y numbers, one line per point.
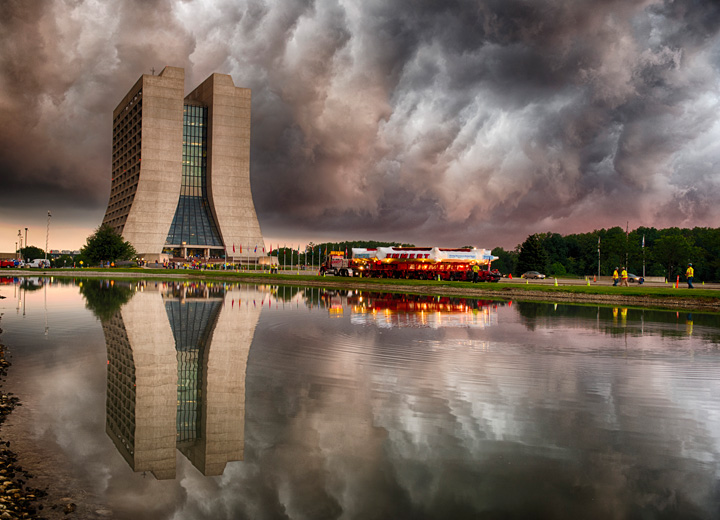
pixel 193 223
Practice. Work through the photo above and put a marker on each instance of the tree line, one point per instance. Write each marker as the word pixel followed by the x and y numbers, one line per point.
pixel 663 252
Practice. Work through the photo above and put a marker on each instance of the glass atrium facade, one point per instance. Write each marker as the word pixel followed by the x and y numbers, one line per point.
pixel 193 223
pixel 191 323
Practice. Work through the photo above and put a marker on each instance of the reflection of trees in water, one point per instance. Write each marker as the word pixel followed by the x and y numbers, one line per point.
pixel 30 285
pixel 286 293
pixel 620 320
pixel 105 297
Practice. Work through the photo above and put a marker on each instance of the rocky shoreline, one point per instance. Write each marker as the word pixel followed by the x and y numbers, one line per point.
pixel 18 498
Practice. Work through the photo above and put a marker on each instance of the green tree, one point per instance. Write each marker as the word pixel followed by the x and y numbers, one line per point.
pixel 613 250
pixel 532 255
pixel 63 261
pixel 506 262
pixel 557 251
pixel 32 253
pixel 106 245
pixel 674 251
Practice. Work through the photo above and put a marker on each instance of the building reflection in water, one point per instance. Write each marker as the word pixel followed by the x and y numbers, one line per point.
pixel 177 357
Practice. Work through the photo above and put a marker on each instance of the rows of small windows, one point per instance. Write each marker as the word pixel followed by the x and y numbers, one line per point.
pixel 121 383
pixel 121 198
pixel 117 216
pixel 127 129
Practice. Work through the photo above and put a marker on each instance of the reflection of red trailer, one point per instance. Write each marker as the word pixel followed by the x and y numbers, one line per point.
pixel 409 303
pixel 426 263
pixel 402 310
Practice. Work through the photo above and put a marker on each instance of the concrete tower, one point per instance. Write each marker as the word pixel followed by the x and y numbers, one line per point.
pixel 181 169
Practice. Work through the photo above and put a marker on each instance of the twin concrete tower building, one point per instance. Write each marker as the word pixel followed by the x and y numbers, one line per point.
pixel 181 170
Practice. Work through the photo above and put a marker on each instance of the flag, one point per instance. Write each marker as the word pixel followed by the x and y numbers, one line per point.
pixel 240 248
pixel 643 243
pixel 234 247
pixel 255 249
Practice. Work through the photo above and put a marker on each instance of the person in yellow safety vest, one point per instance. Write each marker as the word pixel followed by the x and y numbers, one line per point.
pixel 476 270
pixel 615 277
pixel 624 278
pixel 690 274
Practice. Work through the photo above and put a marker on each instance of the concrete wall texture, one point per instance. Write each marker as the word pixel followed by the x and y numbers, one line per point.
pixel 142 205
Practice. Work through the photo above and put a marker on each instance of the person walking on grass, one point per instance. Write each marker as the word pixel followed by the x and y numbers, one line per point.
pixel 615 277
pixel 690 274
pixel 624 278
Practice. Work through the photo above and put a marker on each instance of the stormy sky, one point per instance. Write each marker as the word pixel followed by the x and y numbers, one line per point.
pixel 433 122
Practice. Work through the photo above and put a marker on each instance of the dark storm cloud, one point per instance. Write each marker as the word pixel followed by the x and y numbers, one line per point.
pixel 427 121
pixel 63 68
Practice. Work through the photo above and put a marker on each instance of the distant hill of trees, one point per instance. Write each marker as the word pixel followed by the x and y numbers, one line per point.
pixel 666 253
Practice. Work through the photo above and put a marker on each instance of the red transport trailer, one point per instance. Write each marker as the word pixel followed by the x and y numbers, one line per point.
pixel 420 263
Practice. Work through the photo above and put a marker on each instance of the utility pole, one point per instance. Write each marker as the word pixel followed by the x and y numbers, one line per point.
pixel 643 250
pixel 627 234
pixel 598 257
pixel 47 236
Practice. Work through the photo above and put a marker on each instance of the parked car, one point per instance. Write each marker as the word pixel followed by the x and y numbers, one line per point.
pixel 534 275
pixel 633 278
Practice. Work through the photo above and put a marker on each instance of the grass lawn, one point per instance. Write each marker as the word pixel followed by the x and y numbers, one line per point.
pixel 667 291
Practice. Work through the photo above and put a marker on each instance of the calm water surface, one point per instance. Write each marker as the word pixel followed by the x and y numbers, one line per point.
pixel 188 401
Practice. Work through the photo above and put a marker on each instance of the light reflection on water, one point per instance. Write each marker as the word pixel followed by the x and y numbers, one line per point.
pixel 323 404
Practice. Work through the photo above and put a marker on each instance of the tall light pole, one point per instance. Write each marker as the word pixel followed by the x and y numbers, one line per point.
pixel 20 240
pixel 47 236
pixel 627 237
pixel 26 243
pixel 643 250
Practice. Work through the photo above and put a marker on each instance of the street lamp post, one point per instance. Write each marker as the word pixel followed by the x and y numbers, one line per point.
pixel 47 236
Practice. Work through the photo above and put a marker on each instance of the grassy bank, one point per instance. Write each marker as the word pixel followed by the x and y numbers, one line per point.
pixel 665 296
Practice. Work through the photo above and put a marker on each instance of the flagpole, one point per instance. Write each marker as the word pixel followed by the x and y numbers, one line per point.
pixel 643 250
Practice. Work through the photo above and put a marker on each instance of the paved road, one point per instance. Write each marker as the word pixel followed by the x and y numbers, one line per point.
pixel 603 282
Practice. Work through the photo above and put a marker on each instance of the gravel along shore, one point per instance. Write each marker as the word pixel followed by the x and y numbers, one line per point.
pixel 18 498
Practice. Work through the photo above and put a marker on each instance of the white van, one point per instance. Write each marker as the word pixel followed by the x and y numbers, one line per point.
pixel 38 262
